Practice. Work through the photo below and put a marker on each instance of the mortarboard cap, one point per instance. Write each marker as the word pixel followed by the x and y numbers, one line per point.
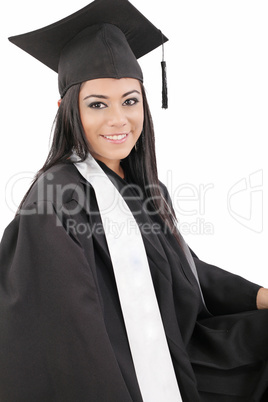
pixel 102 40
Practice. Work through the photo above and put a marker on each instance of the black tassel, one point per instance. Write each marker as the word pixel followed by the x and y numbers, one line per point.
pixel 164 78
pixel 164 85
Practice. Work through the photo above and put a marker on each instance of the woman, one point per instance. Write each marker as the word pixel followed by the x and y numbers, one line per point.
pixel 101 299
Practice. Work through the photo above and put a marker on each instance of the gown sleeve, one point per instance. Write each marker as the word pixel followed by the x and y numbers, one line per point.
pixel 53 342
pixel 224 292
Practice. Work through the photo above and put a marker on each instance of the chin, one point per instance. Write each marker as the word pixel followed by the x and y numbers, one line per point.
pixel 120 154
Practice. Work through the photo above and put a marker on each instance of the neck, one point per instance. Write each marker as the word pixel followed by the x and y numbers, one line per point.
pixel 115 166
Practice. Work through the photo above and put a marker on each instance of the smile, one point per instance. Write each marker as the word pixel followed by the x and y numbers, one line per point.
pixel 116 138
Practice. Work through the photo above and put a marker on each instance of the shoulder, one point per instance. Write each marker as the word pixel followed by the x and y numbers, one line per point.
pixel 58 185
pixel 163 188
pixel 165 192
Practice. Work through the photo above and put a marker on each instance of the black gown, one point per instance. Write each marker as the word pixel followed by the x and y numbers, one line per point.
pixel 62 335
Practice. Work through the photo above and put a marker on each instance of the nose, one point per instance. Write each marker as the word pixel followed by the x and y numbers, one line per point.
pixel 117 117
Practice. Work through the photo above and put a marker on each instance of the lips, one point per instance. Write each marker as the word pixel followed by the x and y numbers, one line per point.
pixel 116 138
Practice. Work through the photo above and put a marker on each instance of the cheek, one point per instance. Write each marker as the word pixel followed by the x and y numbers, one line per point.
pixel 139 119
pixel 83 119
pixel 90 123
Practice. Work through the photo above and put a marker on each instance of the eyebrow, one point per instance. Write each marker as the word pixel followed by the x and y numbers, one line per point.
pixel 107 97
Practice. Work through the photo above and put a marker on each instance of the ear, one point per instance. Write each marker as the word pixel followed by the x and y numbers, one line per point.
pixel 59 102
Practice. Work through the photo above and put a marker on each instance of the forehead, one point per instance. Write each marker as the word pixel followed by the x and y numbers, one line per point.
pixel 110 86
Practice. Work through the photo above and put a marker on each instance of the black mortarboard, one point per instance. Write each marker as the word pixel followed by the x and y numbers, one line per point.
pixel 102 40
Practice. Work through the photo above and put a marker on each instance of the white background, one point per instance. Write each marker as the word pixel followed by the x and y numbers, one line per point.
pixel 210 142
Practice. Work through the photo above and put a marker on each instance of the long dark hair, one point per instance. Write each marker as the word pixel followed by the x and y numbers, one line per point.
pixel 140 164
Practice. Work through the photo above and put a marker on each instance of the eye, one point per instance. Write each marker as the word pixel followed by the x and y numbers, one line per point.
pixel 97 105
pixel 131 102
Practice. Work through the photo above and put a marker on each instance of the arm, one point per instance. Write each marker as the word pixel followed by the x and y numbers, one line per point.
pixel 223 291
pixel 226 293
pixel 53 339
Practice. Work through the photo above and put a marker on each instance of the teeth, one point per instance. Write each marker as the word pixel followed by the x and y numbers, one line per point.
pixel 115 137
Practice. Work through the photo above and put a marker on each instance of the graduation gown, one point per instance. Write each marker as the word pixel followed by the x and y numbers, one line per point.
pixel 62 334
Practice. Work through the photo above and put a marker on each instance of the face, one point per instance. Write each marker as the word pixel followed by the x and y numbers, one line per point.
pixel 111 112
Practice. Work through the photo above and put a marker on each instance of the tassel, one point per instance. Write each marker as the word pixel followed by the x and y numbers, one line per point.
pixel 164 85
pixel 164 78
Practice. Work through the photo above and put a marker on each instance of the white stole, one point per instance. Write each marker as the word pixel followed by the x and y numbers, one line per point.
pixel 145 331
